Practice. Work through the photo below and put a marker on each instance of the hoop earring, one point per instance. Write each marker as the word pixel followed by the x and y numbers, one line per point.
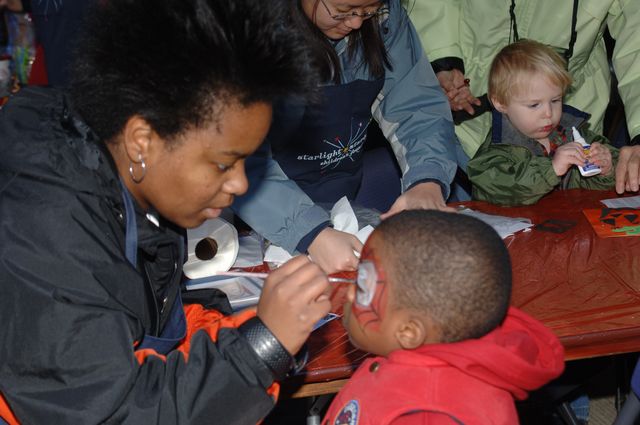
pixel 144 170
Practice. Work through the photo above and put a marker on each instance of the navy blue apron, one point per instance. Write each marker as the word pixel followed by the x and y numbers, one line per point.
pixel 323 155
pixel 175 328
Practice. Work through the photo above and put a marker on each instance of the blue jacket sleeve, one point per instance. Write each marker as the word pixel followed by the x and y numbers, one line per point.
pixel 275 206
pixel 412 110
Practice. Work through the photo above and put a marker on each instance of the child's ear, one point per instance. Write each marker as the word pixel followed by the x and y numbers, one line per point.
pixel 416 331
pixel 498 105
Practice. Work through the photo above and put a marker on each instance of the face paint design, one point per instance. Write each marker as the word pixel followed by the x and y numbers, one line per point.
pixel 371 293
pixel 366 281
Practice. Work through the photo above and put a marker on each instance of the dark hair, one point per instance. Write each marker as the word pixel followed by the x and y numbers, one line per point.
pixel 453 267
pixel 177 63
pixel 367 38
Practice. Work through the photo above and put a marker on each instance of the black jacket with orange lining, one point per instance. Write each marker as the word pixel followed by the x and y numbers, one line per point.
pixel 73 309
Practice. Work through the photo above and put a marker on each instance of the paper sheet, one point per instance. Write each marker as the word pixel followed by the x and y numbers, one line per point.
pixel 504 226
pixel 250 253
pixel 241 291
pixel 614 222
pixel 626 202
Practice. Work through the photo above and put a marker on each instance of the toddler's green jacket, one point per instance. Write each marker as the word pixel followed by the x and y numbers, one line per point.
pixel 511 169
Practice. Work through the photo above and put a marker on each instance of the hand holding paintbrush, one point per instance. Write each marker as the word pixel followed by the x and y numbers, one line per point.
pixel 258 275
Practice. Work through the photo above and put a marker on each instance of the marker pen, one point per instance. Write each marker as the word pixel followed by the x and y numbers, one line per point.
pixel 589 168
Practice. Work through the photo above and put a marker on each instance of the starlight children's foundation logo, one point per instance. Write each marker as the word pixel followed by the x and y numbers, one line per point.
pixel 338 149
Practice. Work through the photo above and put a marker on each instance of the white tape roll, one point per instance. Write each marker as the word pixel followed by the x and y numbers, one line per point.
pixel 225 235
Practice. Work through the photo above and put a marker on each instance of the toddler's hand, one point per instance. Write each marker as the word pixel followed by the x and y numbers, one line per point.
pixel 601 156
pixel 566 156
pixel 294 297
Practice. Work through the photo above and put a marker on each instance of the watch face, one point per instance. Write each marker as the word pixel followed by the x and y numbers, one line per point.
pixel 366 281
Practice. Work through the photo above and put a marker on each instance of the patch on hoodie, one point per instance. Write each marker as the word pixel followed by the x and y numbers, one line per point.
pixel 349 414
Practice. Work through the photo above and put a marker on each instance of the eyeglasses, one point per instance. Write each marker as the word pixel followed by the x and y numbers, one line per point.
pixel 348 15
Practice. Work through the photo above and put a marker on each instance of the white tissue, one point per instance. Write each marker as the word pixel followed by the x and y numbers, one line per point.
pixel 342 217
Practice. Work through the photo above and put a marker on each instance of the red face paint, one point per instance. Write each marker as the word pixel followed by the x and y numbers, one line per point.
pixel 371 295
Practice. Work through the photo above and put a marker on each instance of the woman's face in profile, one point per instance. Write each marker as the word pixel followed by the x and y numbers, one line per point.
pixel 195 178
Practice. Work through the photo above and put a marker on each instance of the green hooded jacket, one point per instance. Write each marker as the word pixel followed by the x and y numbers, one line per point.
pixel 512 169
pixel 467 34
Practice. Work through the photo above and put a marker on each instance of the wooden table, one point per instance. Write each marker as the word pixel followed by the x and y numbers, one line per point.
pixel 585 288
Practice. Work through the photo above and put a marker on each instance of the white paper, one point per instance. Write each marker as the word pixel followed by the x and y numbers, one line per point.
pixel 276 254
pixel 342 217
pixel 241 291
pixel 250 253
pixel 504 226
pixel 627 202
pixel 363 234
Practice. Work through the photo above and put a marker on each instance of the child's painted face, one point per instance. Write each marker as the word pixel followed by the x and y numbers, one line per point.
pixel 367 314
pixel 535 112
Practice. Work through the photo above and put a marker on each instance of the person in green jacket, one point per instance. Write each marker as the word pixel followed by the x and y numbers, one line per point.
pixel 461 37
pixel 530 149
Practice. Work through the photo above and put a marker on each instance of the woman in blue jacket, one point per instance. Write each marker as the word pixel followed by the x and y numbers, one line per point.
pixel 373 68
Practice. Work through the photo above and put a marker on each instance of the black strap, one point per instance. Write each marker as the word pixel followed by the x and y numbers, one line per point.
pixel 513 29
pixel 572 39
pixel 131 234
pixel 267 347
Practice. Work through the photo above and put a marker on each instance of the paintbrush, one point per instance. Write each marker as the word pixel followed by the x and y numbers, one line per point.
pixel 258 275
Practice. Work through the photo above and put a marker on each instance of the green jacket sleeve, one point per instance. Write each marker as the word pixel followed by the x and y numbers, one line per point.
pixel 623 22
pixel 441 17
pixel 510 175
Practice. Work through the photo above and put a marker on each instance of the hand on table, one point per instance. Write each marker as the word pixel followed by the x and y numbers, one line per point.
pixel 628 169
pixel 294 297
pixel 456 87
pixel 423 196
pixel 566 156
pixel 333 251
pixel 601 156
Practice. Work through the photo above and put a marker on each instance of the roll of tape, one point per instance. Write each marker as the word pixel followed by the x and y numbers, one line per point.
pixel 217 245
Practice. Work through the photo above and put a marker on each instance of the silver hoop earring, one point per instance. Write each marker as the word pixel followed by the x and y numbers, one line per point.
pixel 144 170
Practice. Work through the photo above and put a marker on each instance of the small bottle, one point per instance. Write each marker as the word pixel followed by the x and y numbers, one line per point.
pixel 588 169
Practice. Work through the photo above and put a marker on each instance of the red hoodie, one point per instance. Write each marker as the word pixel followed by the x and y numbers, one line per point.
pixel 469 382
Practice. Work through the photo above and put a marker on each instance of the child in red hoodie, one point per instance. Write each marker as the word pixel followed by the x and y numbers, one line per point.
pixel 432 302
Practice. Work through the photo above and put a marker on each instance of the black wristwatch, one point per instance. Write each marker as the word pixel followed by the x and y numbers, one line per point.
pixel 270 350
